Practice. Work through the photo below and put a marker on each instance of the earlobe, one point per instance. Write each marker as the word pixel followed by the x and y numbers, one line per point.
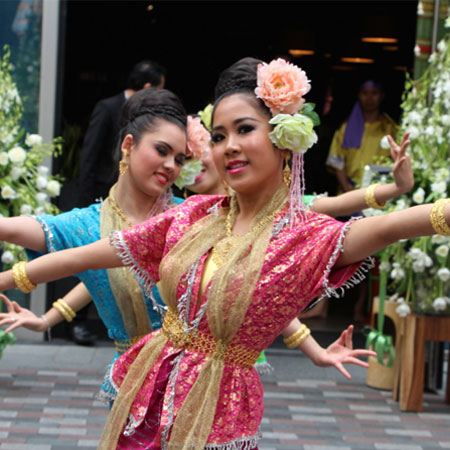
pixel 127 143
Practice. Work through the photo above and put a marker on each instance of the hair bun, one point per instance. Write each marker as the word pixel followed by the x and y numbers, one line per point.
pixel 239 77
pixel 156 102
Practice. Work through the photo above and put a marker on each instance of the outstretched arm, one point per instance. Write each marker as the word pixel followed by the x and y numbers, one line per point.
pixel 337 354
pixel 353 201
pixel 54 266
pixel 24 231
pixel 367 236
pixel 16 316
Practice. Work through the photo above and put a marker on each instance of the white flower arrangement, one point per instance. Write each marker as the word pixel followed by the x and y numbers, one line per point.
pixel 26 187
pixel 418 270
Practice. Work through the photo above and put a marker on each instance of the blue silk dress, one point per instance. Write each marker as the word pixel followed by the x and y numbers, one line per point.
pixel 81 227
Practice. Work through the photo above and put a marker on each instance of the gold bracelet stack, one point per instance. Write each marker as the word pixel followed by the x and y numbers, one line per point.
pixel 369 197
pixel 437 217
pixel 66 311
pixel 297 337
pixel 21 278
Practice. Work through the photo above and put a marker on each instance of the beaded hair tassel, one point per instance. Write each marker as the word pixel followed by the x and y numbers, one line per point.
pixel 297 188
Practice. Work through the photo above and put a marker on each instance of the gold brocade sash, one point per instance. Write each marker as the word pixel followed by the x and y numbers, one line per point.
pixel 229 296
pixel 124 285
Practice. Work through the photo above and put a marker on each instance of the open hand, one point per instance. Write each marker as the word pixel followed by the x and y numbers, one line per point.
pixel 402 170
pixel 341 352
pixel 16 317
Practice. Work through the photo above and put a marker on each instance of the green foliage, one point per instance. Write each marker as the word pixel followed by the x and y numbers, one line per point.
pixel 26 187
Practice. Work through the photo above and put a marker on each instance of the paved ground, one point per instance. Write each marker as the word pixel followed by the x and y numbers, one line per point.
pixel 47 402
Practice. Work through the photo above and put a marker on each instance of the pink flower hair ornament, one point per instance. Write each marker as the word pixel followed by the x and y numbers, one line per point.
pixel 198 143
pixel 198 138
pixel 281 86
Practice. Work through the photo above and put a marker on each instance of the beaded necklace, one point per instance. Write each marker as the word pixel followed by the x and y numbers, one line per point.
pixel 222 249
pixel 112 200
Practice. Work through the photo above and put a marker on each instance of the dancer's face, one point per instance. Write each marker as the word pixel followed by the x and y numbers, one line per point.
pixel 242 150
pixel 156 160
pixel 208 182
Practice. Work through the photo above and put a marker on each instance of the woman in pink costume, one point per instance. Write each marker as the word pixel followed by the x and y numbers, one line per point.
pixel 234 273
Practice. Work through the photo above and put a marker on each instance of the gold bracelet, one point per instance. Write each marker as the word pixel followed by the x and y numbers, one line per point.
pixel 369 197
pixel 66 307
pixel 298 337
pixel 62 311
pixel 21 278
pixel 291 338
pixel 437 217
pixel 66 311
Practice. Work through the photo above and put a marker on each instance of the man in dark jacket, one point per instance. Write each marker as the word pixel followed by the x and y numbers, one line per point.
pixel 98 167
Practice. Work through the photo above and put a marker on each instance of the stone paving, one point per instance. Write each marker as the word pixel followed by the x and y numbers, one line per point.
pixel 47 402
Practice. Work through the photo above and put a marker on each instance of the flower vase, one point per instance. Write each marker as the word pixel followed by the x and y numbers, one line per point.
pixel 378 375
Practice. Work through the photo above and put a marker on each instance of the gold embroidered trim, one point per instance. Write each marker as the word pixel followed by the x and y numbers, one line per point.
pixel 122 345
pixel 201 342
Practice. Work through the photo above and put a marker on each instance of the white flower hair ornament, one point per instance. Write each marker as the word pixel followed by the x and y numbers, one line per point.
pixel 198 143
pixel 281 86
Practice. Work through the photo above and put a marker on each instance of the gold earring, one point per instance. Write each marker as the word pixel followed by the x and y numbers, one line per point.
pixel 123 165
pixel 287 170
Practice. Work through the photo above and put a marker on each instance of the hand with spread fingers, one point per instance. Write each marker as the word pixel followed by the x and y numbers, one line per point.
pixel 341 352
pixel 402 170
pixel 16 317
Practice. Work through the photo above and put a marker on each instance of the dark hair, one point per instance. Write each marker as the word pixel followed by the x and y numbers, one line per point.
pixel 146 71
pixel 140 111
pixel 239 78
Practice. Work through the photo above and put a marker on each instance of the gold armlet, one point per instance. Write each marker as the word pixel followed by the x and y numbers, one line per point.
pixel 437 217
pixel 369 197
pixel 21 278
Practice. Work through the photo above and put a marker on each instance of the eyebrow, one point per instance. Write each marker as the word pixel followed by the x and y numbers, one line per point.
pixel 235 122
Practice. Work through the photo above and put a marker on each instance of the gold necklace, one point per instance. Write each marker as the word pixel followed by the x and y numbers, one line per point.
pixel 222 248
pixel 112 200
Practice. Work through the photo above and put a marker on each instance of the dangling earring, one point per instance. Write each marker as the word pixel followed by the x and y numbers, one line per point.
pixel 287 170
pixel 185 193
pixel 123 165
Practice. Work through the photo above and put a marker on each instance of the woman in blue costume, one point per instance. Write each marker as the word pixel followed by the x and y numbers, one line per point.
pixel 152 144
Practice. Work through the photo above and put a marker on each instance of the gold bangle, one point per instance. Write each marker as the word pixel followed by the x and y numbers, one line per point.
pixel 437 217
pixel 21 278
pixel 298 337
pixel 62 311
pixel 67 307
pixel 291 338
pixel 66 311
pixel 369 197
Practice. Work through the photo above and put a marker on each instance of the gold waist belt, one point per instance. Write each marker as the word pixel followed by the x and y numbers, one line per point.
pixel 204 343
pixel 122 345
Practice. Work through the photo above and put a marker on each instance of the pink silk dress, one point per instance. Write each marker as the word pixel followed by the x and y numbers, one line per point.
pixel 298 268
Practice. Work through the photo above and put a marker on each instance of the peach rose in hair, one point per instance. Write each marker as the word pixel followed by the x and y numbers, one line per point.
pixel 281 85
pixel 198 137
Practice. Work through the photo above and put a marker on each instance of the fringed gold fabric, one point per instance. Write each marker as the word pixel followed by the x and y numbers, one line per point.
pixel 129 390
pixel 124 285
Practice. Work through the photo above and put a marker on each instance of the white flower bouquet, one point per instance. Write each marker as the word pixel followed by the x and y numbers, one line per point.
pixel 26 187
pixel 417 270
